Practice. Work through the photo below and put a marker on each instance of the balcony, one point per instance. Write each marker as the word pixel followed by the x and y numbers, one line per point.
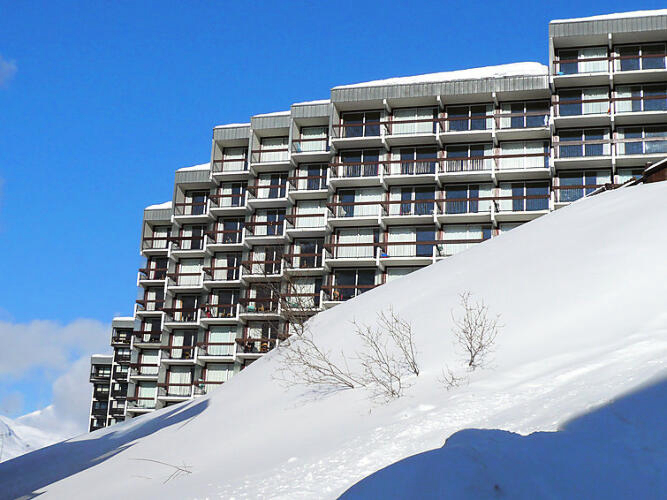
pixel 641 109
pixel 147 339
pixel 250 348
pixel 153 274
pixel 181 314
pixel 120 340
pixel 122 358
pixel 306 224
pixel 582 153
pixel 211 313
pixel 154 244
pixel 230 168
pixel 216 350
pixel 522 126
pixel 469 168
pixel 119 393
pixel 269 157
pixel 300 303
pixel 144 370
pixel 140 404
pixel 177 354
pixel 530 165
pixel 197 210
pixel 303 263
pixel 187 243
pixel 411 131
pixel 225 238
pixel 355 213
pixel 116 411
pixel 634 151
pixel 360 253
pixel 465 209
pixel 100 376
pixel 268 195
pixel 419 211
pixel 640 63
pixel 221 276
pixel 355 173
pixel 175 391
pixel 267 232
pixel 227 204
pixel 98 412
pixel 568 193
pixel 259 306
pixel 260 269
pixel 101 394
pixel 311 149
pixel 191 280
pixel 572 71
pixel 305 183
pixel 412 171
pixel 521 207
pixel 120 375
pixel 587 112
pixel 360 134
pixel 475 127
pixel 339 293
pixel 415 252
pixel 146 305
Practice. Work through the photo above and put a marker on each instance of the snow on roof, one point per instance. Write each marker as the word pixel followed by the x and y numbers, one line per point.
pixel 166 204
pixel 202 166
pixel 125 318
pixel 618 15
pixel 305 103
pixel 513 69
pixel 275 113
pixel 101 358
pixel 233 125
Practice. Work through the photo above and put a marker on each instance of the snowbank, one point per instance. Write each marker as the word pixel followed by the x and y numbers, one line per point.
pixel 617 15
pixel 582 296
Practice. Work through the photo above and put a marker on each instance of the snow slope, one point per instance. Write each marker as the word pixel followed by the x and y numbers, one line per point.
pixel 582 294
pixel 17 438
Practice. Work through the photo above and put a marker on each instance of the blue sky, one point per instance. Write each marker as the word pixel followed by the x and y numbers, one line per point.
pixel 108 99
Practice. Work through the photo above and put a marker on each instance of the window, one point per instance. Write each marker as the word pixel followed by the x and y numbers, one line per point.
pixel 642 140
pixel 153 298
pixel 573 185
pixel 273 149
pixel 158 239
pixel 269 222
pixel 394 273
pixel 360 202
pixel 578 143
pixel 468 158
pixel 413 161
pixel 195 203
pixel 475 117
pixel 157 268
pixel 192 237
pixel 587 101
pixel 414 200
pixel 226 266
pixel 584 60
pixel 356 243
pixel 179 380
pixel 232 194
pixel 359 163
pixel 229 231
pixel 364 124
pixel 641 98
pixel 625 174
pixel 304 293
pixel 470 198
pixel 310 213
pixel 524 197
pixel 233 160
pixel 530 114
pixel 186 308
pixel 185 340
pixel 148 361
pixel 414 121
pixel 308 253
pixel 349 283
pixel 221 303
pixel 312 139
pixel 189 272
pixel 641 57
pixel 216 374
pixel 312 176
pixel 271 185
pixel 461 237
pixel 410 242
pixel 221 340
pixel 522 155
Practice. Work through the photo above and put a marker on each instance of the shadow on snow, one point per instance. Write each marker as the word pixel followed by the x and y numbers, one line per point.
pixel 614 451
pixel 22 476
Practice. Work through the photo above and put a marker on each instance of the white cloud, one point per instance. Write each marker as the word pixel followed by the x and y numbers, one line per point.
pixel 61 350
pixel 48 344
pixel 7 71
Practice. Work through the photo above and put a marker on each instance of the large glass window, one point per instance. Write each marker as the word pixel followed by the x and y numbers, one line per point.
pixel 578 143
pixel 349 283
pixel 521 155
pixel 524 196
pixel 642 140
pixel 586 101
pixel 361 124
pixel 574 185
pixel 641 98
pixel 641 57
pixel 359 163
pixel 584 60
pixel 413 161
pixel 529 114
pixel 414 121
pixel 468 157
pixel 473 117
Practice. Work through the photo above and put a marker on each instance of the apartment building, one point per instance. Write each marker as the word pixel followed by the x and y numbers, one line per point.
pixel 298 211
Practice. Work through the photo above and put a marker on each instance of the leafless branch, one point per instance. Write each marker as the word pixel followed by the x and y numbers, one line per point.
pixel 475 332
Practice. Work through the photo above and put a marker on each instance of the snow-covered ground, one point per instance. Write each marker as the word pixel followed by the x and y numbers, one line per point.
pixel 582 293
pixel 17 438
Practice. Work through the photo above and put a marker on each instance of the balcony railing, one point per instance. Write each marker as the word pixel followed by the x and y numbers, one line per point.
pixel 144 369
pixel 354 130
pixel 354 250
pixel 120 340
pixel 581 149
pixel 100 376
pixel 154 242
pixel 154 273
pixel 305 221
pixel 183 390
pixel 270 155
pixel 344 292
pixel 357 208
pixel 147 337
pixel 427 166
pixel 185 279
pixel 573 192
pixel 144 403
pixel 467 164
pixel 267 267
pixel 116 411
pixel 98 411
pixel 641 145
pixel 191 208
pixel 427 249
pixel 478 122
pixel 256 345
pixel 221 273
pixel 226 236
pixel 355 169
pixel 229 200
pixel 217 348
pixel 230 165
pixel 529 119
pixel 296 302
pixel 411 207
pixel 150 305
pixel 188 242
pixel 582 107
pixel 182 314
pixel 308 182
pixel 178 351
pixel 522 161
pixel 318 144
pixel 219 310
pixel 303 260
pixel 259 304
pixel 645 103
pixel 267 191
pixel 603 64
pixel 265 228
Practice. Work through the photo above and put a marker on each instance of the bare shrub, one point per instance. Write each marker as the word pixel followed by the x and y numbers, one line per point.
pixel 388 355
pixel 476 331
pixel 450 380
